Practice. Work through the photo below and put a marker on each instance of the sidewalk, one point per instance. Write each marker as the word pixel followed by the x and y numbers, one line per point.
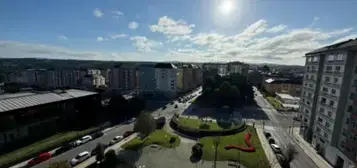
pixel 267 149
pixel 309 150
pixel 116 147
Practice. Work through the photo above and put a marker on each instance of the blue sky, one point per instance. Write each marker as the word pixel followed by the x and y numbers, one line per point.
pixel 263 31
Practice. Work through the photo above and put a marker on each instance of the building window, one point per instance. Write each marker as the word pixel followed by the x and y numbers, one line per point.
pixel 315 59
pixel 337 68
pixel 319 120
pixel 340 57
pixel 333 91
pixel 352 96
pixel 329 114
pixel 330 58
pixel 312 77
pixel 325 135
pixel 322 110
pixel 349 108
pixel 308 68
pixel 307 76
pixel 324 89
pixel 327 124
pixel 308 102
pixel 328 68
pixel 318 129
pixel 309 95
pixel 331 103
pixel 323 100
pixel 327 79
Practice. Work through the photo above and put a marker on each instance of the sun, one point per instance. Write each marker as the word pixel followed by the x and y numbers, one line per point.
pixel 226 6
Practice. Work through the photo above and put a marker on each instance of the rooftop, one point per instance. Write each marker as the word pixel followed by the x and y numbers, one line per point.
pixel 165 66
pixel 9 102
pixel 341 45
pixel 283 80
pixel 285 96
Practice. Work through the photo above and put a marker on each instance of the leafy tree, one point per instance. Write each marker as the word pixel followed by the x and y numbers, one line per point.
pixel 145 124
pixel 110 161
pixel 136 105
pixel 99 152
pixel 266 68
pixel 59 164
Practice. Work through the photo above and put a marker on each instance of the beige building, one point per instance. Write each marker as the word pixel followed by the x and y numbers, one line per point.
pixel 282 85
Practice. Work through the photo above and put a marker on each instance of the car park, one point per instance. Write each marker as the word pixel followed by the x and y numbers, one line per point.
pixel 115 140
pixel 80 158
pixel 276 148
pixel 84 140
pixel 40 158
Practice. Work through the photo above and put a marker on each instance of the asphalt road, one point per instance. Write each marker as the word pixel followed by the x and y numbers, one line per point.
pixel 278 125
pixel 118 130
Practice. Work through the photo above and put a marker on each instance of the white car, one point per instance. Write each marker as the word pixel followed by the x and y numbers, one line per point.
pixel 80 158
pixel 276 148
pixel 84 140
pixel 115 140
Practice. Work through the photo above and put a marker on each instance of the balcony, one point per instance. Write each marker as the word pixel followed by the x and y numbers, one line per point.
pixel 334 73
pixel 309 88
pixel 328 95
pixel 335 85
pixel 326 105
pixel 322 114
pixel 321 125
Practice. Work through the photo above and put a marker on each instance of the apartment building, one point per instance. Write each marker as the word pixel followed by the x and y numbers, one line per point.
pixel 283 85
pixel 329 103
pixel 123 77
pixel 93 80
pixel 147 81
pixel 166 78
pixel 188 80
pixel 197 76
pixel 238 67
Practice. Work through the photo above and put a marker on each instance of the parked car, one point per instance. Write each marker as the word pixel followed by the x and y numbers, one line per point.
pixel 127 133
pixel 276 148
pixel 80 158
pixel 115 140
pixel 84 140
pixel 40 158
pixel 65 148
pixel 97 134
pixel 271 140
pixel 280 158
pixel 267 134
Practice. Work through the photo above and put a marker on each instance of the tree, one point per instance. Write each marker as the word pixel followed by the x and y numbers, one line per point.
pixel 99 149
pixel 59 164
pixel 145 124
pixel 266 68
pixel 290 152
pixel 216 141
pixel 110 161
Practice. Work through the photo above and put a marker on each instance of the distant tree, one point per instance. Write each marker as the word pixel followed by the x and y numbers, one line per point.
pixel 99 152
pixel 266 68
pixel 145 124
pixel 59 164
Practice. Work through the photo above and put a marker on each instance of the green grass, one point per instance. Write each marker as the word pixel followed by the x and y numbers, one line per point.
pixel 195 123
pixel 159 136
pixel 45 144
pixel 248 159
pixel 275 103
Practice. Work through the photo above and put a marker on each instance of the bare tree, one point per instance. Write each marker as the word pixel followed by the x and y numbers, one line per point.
pixel 216 141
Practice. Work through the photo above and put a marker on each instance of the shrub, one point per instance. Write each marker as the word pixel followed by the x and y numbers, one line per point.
pixel 172 140
pixel 204 126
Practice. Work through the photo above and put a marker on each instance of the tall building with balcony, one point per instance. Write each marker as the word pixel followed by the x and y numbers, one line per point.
pixel 329 103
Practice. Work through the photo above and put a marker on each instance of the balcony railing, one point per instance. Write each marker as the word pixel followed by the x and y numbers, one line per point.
pixel 336 85
pixel 325 116
pixel 325 94
pixel 324 127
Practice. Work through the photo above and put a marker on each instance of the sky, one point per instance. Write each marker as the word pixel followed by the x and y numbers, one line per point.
pixel 252 31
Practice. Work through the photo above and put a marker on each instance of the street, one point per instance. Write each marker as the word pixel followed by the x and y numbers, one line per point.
pixel 117 130
pixel 278 124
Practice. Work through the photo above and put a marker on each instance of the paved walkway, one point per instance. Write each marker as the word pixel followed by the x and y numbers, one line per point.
pixel 309 150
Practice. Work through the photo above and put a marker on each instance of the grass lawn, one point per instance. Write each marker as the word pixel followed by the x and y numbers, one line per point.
pixel 276 104
pixel 195 123
pixel 45 144
pixel 248 159
pixel 159 136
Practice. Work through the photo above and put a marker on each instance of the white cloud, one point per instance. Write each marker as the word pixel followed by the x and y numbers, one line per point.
pixel 117 14
pixel 98 13
pixel 170 27
pixel 116 36
pixel 100 39
pixel 61 37
pixel 277 29
pixel 141 43
pixel 316 18
pixel 133 25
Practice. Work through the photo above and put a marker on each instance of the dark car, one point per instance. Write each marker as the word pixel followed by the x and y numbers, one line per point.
pixel 65 148
pixel 97 134
pixel 127 133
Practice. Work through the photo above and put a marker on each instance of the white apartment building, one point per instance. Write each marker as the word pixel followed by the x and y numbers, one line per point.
pixel 329 103
pixel 238 67
pixel 93 80
pixel 166 78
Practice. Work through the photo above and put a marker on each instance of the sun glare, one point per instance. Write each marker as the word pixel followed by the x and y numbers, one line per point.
pixel 226 6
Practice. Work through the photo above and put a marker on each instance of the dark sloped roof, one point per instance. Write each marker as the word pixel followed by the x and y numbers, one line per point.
pixel 9 102
pixel 340 45
pixel 165 65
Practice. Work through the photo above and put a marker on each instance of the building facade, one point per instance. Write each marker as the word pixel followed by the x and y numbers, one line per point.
pixel 123 77
pixel 328 103
pixel 147 81
pixel 282 85
pixel 166 78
